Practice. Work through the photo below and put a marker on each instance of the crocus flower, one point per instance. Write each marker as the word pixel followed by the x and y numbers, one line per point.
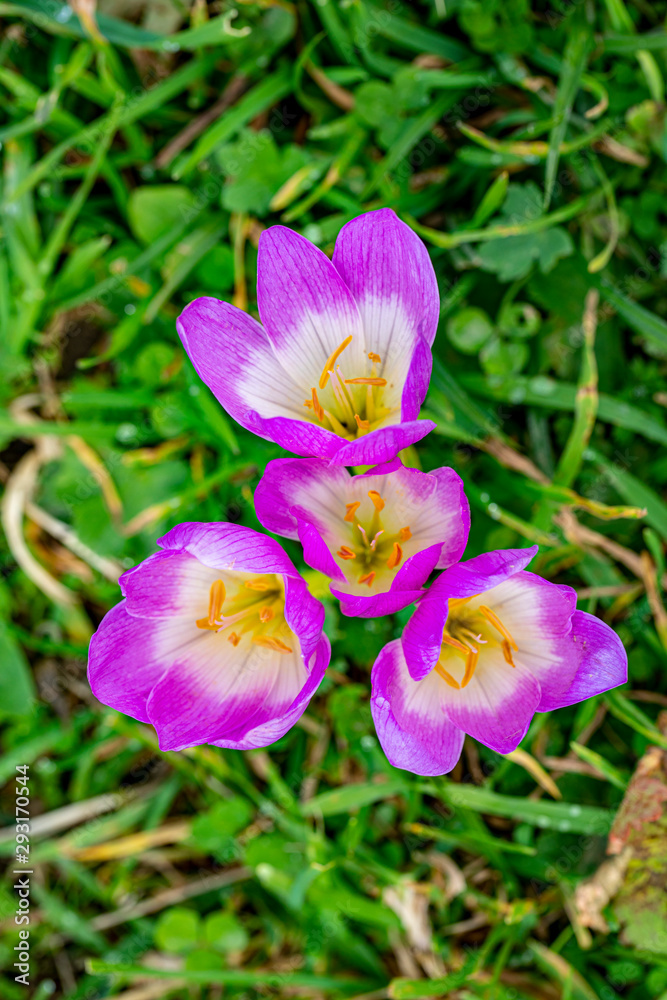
pixel 217 641
pixel 378 535
pixel 487 647
pixel 341 364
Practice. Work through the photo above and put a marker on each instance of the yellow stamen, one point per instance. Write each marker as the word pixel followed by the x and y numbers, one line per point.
pixel 498 625
pixel 265 614
pixel 234 638
pixel 363 425
pixel 374 357
pixel 446 676
pixel 450 641
pixel 331 360
pixel 216 598
pixel 351 509
pixel 507 653
pixel 316 404
pixel 378 502
pixel 308 403
pixel 471 663
pixel 346 553
pixel 270 642
pixel 367 578
pixel 365 381
pixel 256 584
pixel 405 534
pixel 394 559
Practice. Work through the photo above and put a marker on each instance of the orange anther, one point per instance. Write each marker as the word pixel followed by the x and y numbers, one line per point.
pixel 331 360
pixel 317 405
pixel 265 614
pixel 507 653
pixel 446 676
pixel 350 510
pixel 450 641
pixel 394 559
pixel 405 534
pixel 270 642
pixel 365 381
pixel 367 578
pixel 378 502
pixel 471 663
pixel 346 553
pixel 234 638
pixel 494 620
pixel 363 425
pixel 257 584
pixel 374 357
pixel 216 598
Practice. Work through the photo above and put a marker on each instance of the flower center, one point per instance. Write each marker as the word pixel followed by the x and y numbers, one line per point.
pixel 373 546
pixel 248 605
pixel 468 631
pixel 348 406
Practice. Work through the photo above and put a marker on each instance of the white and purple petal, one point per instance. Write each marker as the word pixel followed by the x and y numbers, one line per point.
pixel 600 657
pixel 412 728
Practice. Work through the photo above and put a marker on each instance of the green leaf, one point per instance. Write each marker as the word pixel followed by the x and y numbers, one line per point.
pixel 352 797
pixel 224 932
pixel 154 211
pixel 177 930
pixel 17 690
pixel 503 357
pixel 469 330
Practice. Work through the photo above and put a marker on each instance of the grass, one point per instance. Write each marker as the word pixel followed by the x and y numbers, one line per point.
pixel 525 143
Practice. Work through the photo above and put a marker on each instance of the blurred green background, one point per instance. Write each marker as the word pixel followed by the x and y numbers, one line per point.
pixel 145 145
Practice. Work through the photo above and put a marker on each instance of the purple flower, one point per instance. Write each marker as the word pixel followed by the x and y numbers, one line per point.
pixel 378 535
pixel 342 363
pixel 217 641
pixel 487 647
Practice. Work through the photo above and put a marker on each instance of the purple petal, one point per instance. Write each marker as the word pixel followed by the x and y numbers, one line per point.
pixel 383 444
pixel 265 733
pixel 602 662
pixel 306 307
pixel 304 614
pixel 374 605
pixel 316 553
pixel 538 615
pixel 388 270
pixel 417 380
pixel 127 659
pixel 233 356
pixel 310 489
pixel 411 726
pixel 229 546
pixel 167 584
pixel 477 575
pixel 497 706
pixel 422 636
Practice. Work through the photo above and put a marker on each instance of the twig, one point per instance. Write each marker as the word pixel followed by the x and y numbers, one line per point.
pixel 230 95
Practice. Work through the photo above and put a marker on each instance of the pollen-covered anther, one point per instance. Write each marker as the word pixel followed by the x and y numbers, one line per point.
pixel 446 676
pixel 271 642
pixel 494 620
pixel 265 614
pixel 451 641
pixel 317 406
pixel 471 663
pixel 234 638
pixel 367 578
pixel 331 360
pixel 366 381
pixel 351 509
pixel 363 425
pixel 345 552
pixel 377 500
pixel 507 653
pixel 216 599
pixel 374 357
pixel 394 559
pixel 405 534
